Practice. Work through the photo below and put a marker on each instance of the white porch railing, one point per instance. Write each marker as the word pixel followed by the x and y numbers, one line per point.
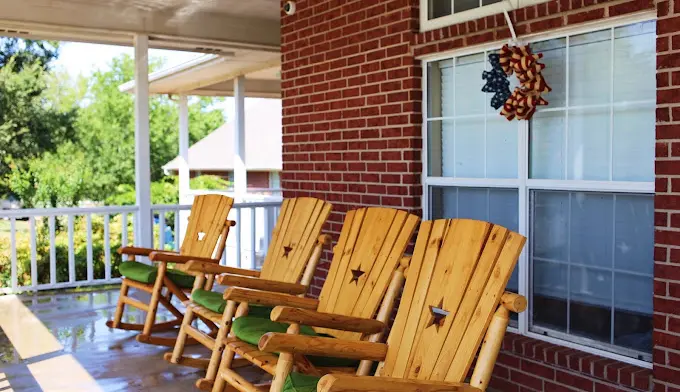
pixel 43 249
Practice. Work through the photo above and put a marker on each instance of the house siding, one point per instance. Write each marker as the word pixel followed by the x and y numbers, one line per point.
pixel 352 117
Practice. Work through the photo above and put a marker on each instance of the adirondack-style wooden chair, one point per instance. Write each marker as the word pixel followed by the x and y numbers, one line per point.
pixel 364 270
pixel 453 299
pixel 294 252
pixel 205 239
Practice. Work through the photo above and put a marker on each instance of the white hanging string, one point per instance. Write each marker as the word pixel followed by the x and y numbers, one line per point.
pixel 514 40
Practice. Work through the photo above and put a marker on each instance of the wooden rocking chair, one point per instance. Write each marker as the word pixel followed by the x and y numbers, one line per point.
pixel 453 299
pixel 294 252
pixel 205 239
pixel 367 266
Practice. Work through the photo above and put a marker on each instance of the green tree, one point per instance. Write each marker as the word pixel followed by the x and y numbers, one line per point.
pixel 28 126
pixel 106 128
pixel 59 179
pixel 26 52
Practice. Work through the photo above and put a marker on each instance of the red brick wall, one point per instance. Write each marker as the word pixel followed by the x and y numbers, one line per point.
pixel 667 201
pixel 352 123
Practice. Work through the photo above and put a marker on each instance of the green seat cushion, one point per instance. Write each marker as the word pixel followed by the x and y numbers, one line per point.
pixel 250 329
pixel 145 273
pixel 298 382
pixel 214 301
pixel 209 300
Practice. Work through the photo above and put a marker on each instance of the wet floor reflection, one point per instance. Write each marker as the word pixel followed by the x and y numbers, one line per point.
pixel 111 357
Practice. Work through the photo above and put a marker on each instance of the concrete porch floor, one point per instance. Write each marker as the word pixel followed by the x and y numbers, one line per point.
pixel 71 349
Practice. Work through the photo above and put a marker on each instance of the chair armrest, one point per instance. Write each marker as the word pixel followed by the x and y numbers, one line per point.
pixel 313 318
pixel 268 298
pixel 133 250
pixel 166 257
pixel 326 347
pixel 196 267
pixel 347 383
pixel 261 284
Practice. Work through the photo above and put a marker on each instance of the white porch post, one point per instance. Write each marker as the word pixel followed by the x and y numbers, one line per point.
pixel 184 177
pixel 183 149
pixel 240 174
pixel 144 235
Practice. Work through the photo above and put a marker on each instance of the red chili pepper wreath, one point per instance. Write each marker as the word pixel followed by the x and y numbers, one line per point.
pixel 527 96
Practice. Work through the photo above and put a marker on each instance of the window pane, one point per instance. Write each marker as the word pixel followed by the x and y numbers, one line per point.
pixel 590 305
pixel 633 311
pixel 469 148
pixel 551 225
pixel 495 205
pixel 588 146
pixel 440 89
pixel 634 234
pixel 439 8
pixel 555 72
pixel 599 246
pixel 633 143
pixel 546 144
pixel 487 2
pixel 549 293
pixel 464 5
pixel 501 147
pixel 468 89
pixel 437 135
pixel 590 68
pixel 591 229
pixel 635 62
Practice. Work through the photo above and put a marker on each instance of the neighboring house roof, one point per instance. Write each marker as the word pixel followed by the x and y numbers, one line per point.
pixel 263 142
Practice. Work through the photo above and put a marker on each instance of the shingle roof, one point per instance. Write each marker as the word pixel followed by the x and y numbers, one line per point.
pixel 263 142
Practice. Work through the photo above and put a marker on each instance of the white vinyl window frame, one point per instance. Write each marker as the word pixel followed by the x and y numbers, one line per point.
pixel 525 185
pixel 427 24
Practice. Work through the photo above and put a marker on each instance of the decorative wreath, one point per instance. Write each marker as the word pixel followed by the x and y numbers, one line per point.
pixel 522 102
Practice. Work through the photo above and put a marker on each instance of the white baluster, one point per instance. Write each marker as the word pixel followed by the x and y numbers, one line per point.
pixel 71 252
pixel 34 253
pixel 13 246
pixel 124 224
pixel 107 247
pixel 252 237
pixel 161 230
pixel 53 250
pixel 177 230
pixel 239 226
pixel 90 267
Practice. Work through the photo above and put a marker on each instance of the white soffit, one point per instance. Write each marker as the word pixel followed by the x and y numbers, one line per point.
pixel 210 26
pixel 213 75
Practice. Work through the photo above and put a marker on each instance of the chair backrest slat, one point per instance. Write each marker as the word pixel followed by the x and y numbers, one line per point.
pixel 206 225
pixel 370 247
pixel 457 275
pixel 293 239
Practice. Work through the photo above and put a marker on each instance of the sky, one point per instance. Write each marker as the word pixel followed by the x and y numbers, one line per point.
pixel 82 58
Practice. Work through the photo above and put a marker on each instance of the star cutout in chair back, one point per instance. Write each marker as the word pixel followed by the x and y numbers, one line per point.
pixel 286 250
pixel 438 315
pixel 356 274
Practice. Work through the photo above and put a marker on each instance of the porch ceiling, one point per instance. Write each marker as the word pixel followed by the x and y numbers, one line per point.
pixel 211 26
pixel 213 75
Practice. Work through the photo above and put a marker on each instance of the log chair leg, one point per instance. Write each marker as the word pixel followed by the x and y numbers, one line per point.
pixel 218 347
pixel 178 351
pixel 118 316
pixel 285 364
pixel 220 383
pixel 153 305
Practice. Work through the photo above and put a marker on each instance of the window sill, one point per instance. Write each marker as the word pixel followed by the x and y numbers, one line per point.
pixel 473 14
